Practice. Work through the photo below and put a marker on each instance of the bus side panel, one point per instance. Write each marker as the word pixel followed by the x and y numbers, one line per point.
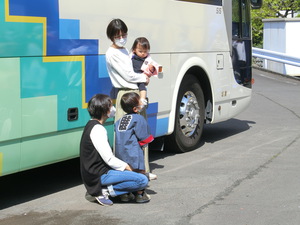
pixel 10 157
pixel 48 91
pixel 159 93
pixel 10 102
pixel 50 86
pixel 39 151
pixel 54 147
pixel 10 115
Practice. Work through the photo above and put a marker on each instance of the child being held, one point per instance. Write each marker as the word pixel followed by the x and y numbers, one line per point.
pixel 143 63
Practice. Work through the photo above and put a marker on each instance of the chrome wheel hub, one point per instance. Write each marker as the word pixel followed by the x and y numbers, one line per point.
pixel 189 113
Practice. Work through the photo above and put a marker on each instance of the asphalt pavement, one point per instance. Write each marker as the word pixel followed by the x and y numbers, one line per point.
pixel 246 172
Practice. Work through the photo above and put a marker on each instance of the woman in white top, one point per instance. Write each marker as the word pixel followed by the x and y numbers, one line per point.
pixel 121 73
pixel 119 64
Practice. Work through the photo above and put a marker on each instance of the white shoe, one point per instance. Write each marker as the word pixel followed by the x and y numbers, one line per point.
pixel 144 101
pixel 151 176
pixel 104 200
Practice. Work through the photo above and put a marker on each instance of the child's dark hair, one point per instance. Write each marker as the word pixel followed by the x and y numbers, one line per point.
pixel 129 101
pixel 99 105
pixel 142 41
pixel 114 28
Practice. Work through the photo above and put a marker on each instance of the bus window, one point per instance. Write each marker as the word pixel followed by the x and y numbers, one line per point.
pixel 235 18
pixel 256 4
pixel 241 19
pixel 245 13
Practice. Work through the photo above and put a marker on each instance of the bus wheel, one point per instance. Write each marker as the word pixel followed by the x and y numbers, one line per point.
pixel 189 117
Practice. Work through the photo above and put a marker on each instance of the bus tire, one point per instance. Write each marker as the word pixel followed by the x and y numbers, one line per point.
pixel 189 118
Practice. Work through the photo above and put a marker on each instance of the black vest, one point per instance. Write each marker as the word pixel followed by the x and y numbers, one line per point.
pixel 92 166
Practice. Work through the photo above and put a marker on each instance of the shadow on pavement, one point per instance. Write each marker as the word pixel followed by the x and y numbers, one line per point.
pixel 219 131
pixel 32 184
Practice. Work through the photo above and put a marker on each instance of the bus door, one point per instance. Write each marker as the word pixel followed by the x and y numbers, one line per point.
pixel 241 42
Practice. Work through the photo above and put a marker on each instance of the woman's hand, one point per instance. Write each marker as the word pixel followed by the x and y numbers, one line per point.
pixel 147 79
pixel 151 68
pixel 128 167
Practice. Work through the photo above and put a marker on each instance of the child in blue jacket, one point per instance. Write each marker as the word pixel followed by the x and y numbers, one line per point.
pixel 132 133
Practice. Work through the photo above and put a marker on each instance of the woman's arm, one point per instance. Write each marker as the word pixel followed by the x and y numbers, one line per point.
pixel 100 141
pixel 120 62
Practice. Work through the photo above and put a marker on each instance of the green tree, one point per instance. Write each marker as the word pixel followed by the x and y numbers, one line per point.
pixel 271 9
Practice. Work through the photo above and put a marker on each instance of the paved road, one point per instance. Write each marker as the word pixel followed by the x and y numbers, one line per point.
pixel 246 172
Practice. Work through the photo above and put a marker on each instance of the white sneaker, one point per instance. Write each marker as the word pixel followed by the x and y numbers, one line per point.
pixel 104 199
pixel 151 176
pixel 144 101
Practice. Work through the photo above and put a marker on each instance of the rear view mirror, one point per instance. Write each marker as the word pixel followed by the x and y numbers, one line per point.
pixel 256 4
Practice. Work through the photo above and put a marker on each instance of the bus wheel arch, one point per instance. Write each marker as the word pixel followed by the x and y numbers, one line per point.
pixel 193 97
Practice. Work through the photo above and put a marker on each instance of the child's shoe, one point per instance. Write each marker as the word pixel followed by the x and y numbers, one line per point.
pixel 142 198
pixel 127 197
pixel 145 102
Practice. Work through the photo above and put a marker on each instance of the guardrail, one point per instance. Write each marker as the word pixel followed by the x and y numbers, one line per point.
pixel 276 56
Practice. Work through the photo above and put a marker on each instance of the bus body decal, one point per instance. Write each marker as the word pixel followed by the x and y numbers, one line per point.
pixel 27 19
pixel 56 53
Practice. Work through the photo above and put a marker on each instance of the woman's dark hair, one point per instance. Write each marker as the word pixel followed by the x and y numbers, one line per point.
pixel 142 41
pixel 114 28
pixel 99 105
pixel 129 101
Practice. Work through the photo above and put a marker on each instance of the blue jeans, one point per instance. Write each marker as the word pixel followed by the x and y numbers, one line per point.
pixel 123 182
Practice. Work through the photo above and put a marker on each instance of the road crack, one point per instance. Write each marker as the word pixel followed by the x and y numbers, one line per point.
pixel 222 195
pixel 294 113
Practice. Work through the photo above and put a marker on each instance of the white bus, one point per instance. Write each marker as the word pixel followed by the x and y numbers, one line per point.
pixel 52 61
